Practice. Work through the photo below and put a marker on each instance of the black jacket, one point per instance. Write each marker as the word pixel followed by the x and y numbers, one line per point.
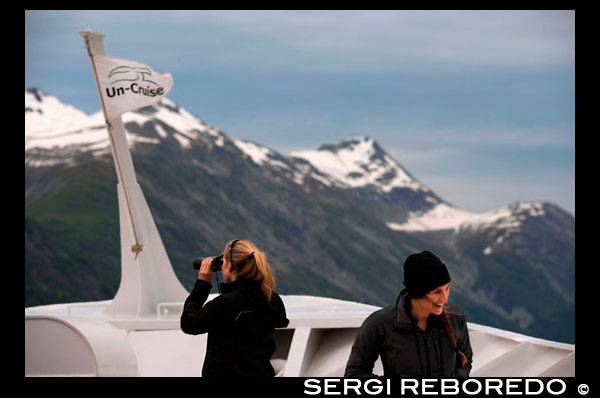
pixel 240 324
pixel 406 350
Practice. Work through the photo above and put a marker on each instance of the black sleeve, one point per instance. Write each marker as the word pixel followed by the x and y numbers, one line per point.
pixel 463 343
pixel 365 351
pixel 197 317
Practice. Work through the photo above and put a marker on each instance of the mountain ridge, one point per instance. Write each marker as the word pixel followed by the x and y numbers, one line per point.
pixel 335 233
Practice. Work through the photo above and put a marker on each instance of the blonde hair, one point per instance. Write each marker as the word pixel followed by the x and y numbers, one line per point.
pixel 251 263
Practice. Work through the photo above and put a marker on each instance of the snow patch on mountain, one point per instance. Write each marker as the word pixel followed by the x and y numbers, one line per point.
pixel 258 153
pixel 187 127
pixel 441 216
pixel 45 115
pixel 296 169
pixel 359 162
pixel 444 216
pixel 507 220
pixel 262 155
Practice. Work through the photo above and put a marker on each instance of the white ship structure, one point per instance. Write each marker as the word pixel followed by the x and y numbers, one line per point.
pixel 138 332
pixel 86 339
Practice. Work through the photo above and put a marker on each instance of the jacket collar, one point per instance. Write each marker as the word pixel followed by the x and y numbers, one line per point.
pixel 402 319
pixel 227 287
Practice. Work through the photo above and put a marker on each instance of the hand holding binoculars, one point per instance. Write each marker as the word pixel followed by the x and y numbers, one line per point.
pixel 215 265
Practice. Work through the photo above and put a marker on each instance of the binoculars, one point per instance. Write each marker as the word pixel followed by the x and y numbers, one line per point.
pixel 215 266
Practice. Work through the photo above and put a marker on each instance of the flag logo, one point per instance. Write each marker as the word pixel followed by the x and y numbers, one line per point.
pixel 125 73
pixel 130 71
pixel 128 85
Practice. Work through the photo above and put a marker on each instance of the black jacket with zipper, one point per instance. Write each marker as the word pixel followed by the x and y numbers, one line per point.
pixel 239 322
pixel 405 349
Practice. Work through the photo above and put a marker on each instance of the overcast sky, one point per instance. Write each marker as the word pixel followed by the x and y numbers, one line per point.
pixel 477 105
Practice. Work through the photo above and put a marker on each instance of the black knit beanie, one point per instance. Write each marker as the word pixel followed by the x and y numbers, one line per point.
pixel 423 272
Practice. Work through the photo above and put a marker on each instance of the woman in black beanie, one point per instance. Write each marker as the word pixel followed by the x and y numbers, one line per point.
pixel 420 336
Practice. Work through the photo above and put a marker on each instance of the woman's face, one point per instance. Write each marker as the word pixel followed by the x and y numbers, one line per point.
pixel 435 300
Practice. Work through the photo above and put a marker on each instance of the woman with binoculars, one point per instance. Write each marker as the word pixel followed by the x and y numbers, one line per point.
pixel 240 321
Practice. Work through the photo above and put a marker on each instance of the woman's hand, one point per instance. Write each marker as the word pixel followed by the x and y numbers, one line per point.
pixel 205 272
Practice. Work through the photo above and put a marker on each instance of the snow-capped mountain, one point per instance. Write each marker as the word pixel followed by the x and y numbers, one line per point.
pixel 45 115
pixel 52 127
pixel 337 221
pixel 357 162
pixel 360 162
pixel 360 168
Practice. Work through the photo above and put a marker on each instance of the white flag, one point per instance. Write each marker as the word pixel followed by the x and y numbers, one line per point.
pixel 128 85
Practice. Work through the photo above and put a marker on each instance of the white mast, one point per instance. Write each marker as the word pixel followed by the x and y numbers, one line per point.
pixel 147 277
